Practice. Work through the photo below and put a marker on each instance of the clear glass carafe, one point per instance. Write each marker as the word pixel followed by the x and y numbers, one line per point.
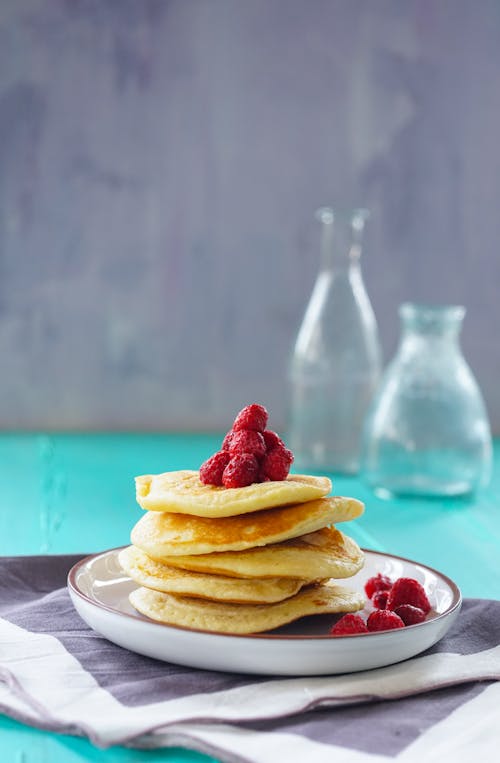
pixel 428 432
pixel 335 364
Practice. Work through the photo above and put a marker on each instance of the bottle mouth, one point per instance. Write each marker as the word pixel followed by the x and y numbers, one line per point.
pixel 355 217
pixel 431 317
pixel 343 230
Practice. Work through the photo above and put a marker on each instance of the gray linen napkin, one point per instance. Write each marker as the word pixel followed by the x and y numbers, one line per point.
pixel 59 675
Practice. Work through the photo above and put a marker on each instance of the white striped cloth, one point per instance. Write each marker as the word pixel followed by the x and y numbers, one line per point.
pixel 59 675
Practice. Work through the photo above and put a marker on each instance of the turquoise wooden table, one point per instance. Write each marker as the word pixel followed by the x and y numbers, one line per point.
pixel 65 493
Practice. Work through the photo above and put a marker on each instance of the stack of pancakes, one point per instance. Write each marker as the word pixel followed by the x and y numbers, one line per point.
pixel 240 560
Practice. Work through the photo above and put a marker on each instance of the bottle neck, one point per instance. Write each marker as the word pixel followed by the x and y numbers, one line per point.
pixel 432 331
pixel 415 342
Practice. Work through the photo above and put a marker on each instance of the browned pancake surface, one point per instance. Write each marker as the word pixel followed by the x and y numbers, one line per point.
pixel 161 534
pixel 326 553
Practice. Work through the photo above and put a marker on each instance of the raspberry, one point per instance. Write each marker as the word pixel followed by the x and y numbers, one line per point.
pixel 379 600
pixel 251 417
pixel 349 624
pixel 276 464
pixel 272 440
pixel 211 471
pixel 408 591
pixel 384 620
pixel 226 442
pixel 377 583
pixel 241 471
pixel 409 614
pixel 247 441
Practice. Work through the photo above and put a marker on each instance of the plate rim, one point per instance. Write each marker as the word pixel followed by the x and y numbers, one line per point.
pixel 73 587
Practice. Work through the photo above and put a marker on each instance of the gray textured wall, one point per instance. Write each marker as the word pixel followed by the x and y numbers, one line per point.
pixel 159 165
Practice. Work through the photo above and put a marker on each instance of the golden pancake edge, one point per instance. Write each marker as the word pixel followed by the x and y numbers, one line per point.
pixel 158 576
pixel 326 553
pixel 212 616
pixel 162 534
pixel 182 492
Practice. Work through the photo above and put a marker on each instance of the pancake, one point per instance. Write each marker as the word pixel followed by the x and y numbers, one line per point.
pixel 161 534
pixel 220 617
pixel 182 492
pixel 160 577
pixel 327 553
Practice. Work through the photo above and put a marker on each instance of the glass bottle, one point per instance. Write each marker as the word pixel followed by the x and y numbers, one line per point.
pixel 428 431
pixel 335 364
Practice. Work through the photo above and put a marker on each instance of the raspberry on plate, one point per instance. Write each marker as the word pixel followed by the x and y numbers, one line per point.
pixel 276 464
pixel 379 599
pixel 247 441
pixel 211 471
pixel 408 591
pixel 349 624
pixel 409 614
pixel 241 471
pixel 384 620
pixel 376 583
pixel 251 417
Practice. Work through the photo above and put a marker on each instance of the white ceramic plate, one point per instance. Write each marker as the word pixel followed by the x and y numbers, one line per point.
pixel 99 590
